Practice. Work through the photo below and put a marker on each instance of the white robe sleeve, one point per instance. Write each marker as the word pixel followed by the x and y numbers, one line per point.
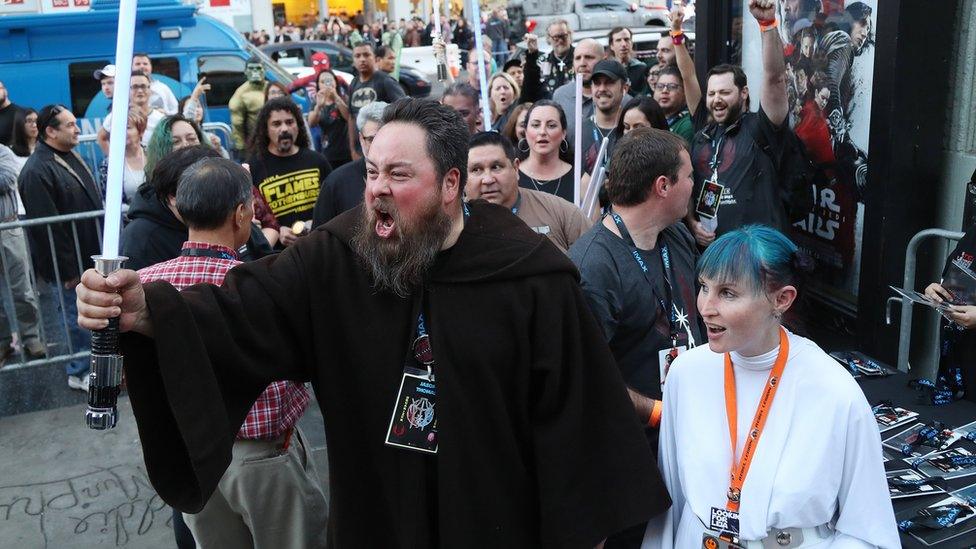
pixel 865 516
pixel 661 530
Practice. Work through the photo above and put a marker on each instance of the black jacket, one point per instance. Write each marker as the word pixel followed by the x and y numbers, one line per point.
pixel 342 190
pixel 50 187
pixel 539 445
pixel 154 234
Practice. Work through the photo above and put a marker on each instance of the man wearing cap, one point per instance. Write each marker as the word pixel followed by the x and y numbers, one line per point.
pixel 585 57
pixel 608 84
pixel 162 97
pixel 493 176
pixel 106 77
pixel 621 41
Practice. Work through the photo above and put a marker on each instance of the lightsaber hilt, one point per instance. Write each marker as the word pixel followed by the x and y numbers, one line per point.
pixel 440 59
pixel 105 375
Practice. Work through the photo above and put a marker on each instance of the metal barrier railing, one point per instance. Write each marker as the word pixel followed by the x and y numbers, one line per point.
pixel 222 130
pixel 911 262
pixel 92 155
pixel 41 303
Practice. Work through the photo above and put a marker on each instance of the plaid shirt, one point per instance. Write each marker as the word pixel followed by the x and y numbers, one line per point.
pixel 280 405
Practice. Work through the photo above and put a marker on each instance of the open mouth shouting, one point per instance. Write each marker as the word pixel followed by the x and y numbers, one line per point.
pixel 385 223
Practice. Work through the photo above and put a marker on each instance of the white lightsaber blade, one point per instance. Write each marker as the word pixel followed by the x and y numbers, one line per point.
pixel 599 174
pixel 120 116
pixel 479 51
pixel 578 141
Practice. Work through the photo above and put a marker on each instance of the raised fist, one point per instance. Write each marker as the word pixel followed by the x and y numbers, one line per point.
pixel 763 10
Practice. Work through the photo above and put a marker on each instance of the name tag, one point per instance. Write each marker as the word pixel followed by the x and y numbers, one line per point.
pixel 413 425
pixel 724 521
pixel 665 357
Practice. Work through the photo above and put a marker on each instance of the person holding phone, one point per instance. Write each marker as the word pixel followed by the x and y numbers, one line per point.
pixel 331 115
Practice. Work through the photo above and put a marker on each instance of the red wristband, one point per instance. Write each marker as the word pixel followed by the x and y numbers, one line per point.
pixel 677 38
pixel 767 24
pixel 655 418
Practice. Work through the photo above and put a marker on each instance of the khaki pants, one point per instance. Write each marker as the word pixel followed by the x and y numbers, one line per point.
pixel 266 499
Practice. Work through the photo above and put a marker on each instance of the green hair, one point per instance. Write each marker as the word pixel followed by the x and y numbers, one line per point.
pixel 161 142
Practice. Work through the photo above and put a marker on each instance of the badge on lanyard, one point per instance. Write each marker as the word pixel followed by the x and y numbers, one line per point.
pixel 665 357
pixel 709 199
pixel 724 521
pixel 414 422
pixel 710 541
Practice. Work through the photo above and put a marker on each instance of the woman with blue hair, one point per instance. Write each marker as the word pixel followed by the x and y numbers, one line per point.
pixel 766 440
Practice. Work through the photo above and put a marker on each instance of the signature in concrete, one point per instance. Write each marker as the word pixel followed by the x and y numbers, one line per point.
pixel 111 505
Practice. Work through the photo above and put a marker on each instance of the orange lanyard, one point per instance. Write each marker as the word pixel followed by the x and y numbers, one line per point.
pixel 741 468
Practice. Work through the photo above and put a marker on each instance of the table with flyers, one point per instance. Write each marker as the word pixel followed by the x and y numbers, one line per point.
pixel 930 461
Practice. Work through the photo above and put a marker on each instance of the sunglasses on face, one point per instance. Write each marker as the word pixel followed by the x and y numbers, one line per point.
pixel 50 115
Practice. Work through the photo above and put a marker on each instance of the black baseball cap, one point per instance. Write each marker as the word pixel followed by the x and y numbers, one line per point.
pixel 513 62
pixel 611 68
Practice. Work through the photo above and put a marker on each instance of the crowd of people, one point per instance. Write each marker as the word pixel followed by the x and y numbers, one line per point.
pixel 495 365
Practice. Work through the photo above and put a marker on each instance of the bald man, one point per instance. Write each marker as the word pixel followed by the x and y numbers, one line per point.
pixel 586 55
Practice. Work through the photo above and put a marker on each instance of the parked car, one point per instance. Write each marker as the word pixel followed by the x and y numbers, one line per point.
pixel 294 54
pixel 645 41
pixel 585 14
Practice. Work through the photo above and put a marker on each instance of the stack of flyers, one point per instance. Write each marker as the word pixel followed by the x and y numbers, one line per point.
pixel 923 439
pixel 860 364
pixel 906 483
pixel 946 519
pixel 889 417
pixel 949 464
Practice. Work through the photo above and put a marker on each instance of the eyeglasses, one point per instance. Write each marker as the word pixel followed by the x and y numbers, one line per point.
pixel 667 87
pixel 560 36
pixel 139 87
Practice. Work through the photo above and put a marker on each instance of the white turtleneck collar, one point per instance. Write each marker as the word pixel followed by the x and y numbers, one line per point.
pixel 757 363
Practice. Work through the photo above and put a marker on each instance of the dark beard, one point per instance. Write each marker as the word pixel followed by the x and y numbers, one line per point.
pixel 399 263
pixel 735 111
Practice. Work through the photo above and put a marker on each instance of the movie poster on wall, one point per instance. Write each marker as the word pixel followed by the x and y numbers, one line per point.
pixel 829 52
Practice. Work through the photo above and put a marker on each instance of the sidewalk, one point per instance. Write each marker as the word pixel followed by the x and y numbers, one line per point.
pixel 65 486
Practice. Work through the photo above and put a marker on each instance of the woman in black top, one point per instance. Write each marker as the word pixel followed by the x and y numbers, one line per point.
pixel 331 115
pixel 957 361
pixel 545 141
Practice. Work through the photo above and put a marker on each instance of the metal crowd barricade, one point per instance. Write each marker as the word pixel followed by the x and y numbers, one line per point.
pixel 911 262
pixel 53 332
pixel 92 155
pixel 222 130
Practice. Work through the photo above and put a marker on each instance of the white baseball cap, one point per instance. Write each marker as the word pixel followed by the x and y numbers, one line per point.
pixel 108 71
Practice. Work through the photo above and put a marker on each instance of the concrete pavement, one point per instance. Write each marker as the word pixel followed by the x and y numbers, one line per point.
pixel 64 486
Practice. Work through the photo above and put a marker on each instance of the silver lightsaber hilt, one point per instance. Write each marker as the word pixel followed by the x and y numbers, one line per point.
pixel 105 376
pixel 441 71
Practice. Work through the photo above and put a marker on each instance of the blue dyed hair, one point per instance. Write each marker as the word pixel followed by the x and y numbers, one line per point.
pixel 755 255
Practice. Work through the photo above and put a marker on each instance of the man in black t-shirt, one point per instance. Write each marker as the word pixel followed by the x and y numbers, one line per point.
pixel 284 169
pixel 8 111
pixel 736 150
pixel 637 270
pixel 369 85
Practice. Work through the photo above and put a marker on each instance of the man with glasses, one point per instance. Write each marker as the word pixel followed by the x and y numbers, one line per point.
pixel 140 87
pixel 161 97
pixel 669 92
pixel 56 181
pixel 557 67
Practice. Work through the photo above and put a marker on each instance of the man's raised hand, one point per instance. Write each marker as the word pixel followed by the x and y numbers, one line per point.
pixel 101 298
pixel 763 10
pixel 677 16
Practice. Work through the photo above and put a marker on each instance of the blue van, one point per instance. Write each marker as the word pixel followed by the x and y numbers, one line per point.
pixel 51 58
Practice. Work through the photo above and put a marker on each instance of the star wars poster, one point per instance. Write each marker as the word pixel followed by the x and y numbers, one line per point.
pixel 829 52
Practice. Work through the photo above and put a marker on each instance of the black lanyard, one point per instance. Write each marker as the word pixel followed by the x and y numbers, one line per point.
pixel 716 160
pixel 207 252
pixel 669 306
